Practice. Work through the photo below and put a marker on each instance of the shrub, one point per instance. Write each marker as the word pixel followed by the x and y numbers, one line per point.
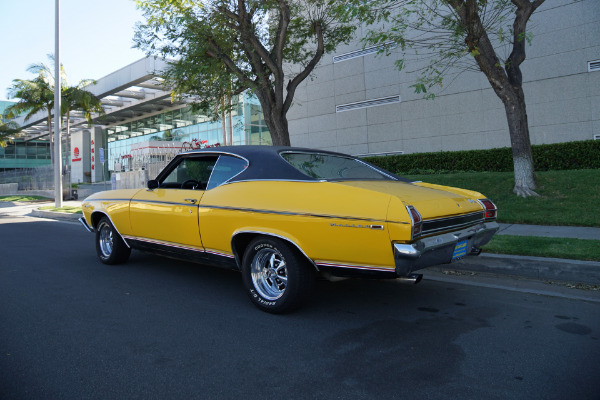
pixel 546 157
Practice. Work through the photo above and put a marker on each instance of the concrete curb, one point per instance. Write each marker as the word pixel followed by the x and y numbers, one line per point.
pixel 539 268
pixel 56 215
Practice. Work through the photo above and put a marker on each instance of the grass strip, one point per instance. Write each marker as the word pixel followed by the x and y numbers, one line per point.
pixel 568 198
pixel 575 249
pixel 66 209
pixel 23 198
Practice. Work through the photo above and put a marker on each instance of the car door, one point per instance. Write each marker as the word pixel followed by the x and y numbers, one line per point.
pixel 168 215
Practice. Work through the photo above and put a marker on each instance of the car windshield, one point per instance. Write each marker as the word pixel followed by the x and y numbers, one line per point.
pixel 332 167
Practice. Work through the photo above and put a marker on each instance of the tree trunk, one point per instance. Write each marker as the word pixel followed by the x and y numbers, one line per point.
pixel 223 122
pixel 275 119
pixel 230 121
pixel 516 115
pixel 278 127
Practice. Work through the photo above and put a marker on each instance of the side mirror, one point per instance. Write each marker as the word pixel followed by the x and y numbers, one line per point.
pixel 152 184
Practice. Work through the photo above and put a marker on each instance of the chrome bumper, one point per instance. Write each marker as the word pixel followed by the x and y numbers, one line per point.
pixel 85 225
pixel 439 249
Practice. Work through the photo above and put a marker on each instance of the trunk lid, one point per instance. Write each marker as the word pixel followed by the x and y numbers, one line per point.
pixel 432 201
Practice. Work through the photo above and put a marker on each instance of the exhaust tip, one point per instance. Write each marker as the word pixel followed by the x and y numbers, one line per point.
pixel 475 251
pixel 412 279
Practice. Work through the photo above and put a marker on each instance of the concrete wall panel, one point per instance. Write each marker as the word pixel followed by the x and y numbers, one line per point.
pixel 562 96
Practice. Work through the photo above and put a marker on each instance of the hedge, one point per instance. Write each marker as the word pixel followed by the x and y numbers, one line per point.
pixel 559 156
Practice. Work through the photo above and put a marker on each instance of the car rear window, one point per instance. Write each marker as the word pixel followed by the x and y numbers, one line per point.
pixel 332 167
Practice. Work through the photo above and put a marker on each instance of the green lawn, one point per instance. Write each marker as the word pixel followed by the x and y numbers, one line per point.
pixel 66 209
pixel 23 198
pixel 569 197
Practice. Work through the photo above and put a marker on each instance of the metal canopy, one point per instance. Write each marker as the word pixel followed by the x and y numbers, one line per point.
pixel 130 93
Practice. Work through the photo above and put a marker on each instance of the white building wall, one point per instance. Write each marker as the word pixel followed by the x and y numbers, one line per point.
pixel 96 168
pixel 80 159
pixel 563 98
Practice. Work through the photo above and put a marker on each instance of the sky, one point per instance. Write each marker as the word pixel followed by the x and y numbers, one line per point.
pixel 96 37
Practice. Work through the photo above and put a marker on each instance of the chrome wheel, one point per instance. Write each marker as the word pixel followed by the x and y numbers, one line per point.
pixel 106 239
pixel 110 247
pixel 269 273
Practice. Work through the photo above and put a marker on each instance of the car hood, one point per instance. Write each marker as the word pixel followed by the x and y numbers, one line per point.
pixel 432 201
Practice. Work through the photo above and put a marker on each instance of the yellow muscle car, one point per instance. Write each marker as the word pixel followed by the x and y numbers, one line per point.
pixel 282 215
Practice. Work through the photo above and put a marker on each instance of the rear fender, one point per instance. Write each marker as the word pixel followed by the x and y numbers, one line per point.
pixel 241 238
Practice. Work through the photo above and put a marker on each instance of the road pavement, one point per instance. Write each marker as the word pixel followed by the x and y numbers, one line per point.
pixel 155 328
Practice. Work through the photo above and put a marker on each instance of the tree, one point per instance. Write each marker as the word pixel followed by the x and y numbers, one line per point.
pixel 34 96
pixel 467 33
pixel 38 94
pixel 7 131
pixel 223 47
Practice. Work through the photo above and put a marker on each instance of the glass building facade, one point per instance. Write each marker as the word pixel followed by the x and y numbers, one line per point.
pixel 20 154
pixel 184 125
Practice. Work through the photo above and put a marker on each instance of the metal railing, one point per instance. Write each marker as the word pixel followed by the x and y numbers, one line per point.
pixel 39 178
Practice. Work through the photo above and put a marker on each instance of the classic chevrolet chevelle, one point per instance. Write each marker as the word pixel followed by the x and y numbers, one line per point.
pixel 282 215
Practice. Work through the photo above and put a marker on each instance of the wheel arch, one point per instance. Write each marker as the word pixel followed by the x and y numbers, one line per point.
pixel 96 216
pixel 241 239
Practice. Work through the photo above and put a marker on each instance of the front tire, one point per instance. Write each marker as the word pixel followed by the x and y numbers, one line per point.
pixel 110 246
pixel 276 276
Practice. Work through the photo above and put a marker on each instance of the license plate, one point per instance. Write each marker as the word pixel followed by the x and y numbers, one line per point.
pixel 460 250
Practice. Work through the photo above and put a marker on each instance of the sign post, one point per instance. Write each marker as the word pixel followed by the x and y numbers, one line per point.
pixel 101 153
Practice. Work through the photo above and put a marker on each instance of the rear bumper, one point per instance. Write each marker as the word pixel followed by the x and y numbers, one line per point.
pixel 439 249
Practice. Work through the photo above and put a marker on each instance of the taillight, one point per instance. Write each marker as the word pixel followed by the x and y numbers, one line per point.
pixel 490 209
pixel 417 221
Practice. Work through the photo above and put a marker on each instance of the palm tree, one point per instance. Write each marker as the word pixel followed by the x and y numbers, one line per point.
pixel 38 94
pixel 7 131
pixel 34 95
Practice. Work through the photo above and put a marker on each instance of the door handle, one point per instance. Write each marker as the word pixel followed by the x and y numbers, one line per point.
pixel 191 201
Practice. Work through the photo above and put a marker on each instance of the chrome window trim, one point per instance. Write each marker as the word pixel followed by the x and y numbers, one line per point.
pixel 186 154
pixel 276 180
pixel 212 171
pixel 228 180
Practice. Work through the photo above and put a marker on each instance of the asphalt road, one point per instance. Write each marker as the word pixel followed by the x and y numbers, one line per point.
pixel 73 328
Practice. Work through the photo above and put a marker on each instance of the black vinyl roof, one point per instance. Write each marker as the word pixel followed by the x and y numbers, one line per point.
pixel 266 163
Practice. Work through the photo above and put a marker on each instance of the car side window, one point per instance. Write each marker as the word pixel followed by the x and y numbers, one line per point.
pixel 226 168
pixel 189 171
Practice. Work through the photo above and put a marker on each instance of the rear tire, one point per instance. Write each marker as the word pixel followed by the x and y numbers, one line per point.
pixel 277 277
pixel 110 246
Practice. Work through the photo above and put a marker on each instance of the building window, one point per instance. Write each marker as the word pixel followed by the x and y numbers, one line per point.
pixel 362 52
pixel 367 103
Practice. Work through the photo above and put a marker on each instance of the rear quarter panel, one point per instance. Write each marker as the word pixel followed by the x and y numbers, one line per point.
pixel 329 222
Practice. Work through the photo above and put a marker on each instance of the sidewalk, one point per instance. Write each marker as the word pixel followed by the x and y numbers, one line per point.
pixel 576 232
pixel 540 268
